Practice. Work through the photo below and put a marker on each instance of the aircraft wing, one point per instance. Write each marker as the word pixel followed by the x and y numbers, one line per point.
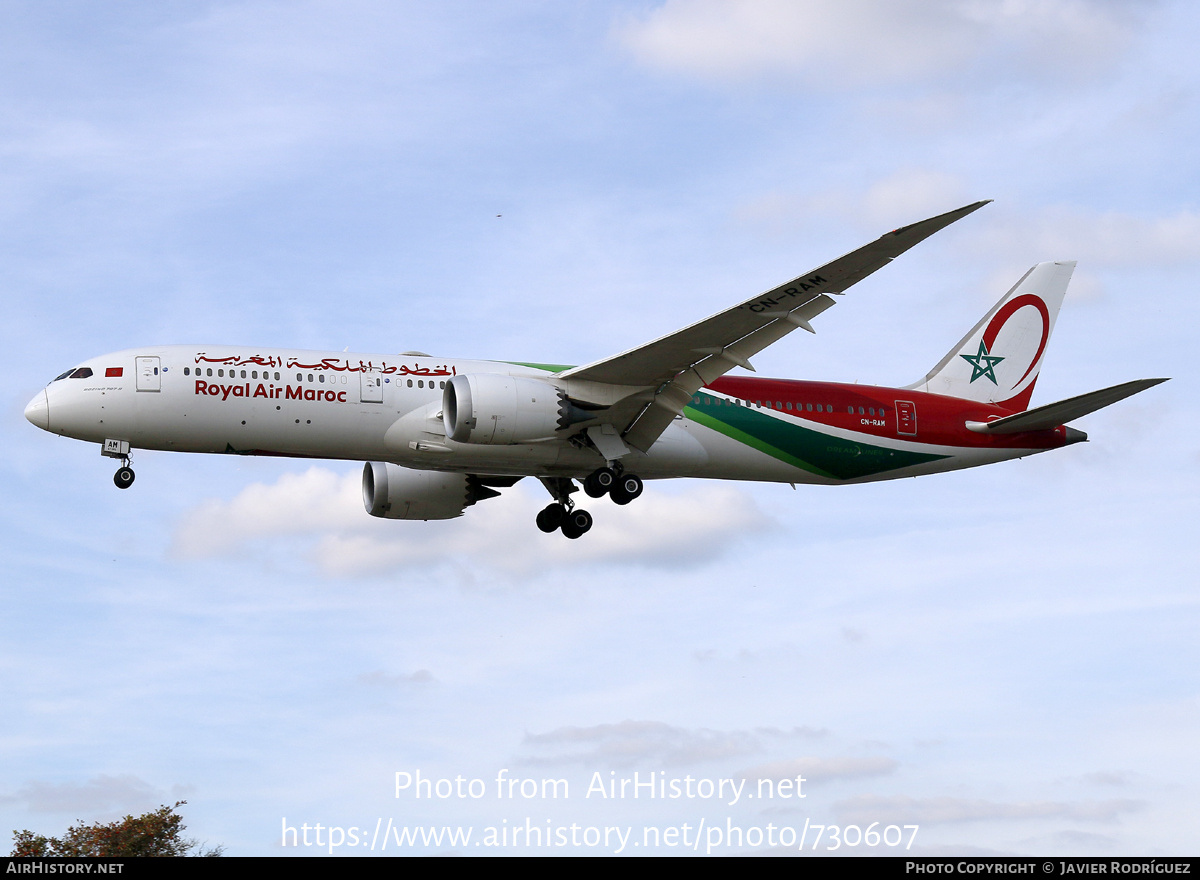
pixel 675 367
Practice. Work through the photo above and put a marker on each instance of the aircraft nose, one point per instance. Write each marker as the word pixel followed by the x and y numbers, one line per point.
pixel 38 411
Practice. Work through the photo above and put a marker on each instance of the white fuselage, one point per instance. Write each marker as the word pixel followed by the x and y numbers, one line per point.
pixel 372 407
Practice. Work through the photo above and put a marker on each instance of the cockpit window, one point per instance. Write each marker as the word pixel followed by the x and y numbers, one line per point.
pixel 75 373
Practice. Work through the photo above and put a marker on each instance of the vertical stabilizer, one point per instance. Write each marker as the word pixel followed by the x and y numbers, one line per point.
pixel 998 361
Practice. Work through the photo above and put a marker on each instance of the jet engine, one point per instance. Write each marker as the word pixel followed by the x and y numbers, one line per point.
pixel 497 410
pixel 395 492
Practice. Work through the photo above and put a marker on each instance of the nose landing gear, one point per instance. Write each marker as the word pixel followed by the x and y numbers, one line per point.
pixel 124 477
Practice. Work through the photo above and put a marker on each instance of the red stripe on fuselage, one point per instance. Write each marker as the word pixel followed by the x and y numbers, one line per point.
pixel 941 420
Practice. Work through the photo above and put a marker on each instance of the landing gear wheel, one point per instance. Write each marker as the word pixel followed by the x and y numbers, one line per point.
pixel 551 518
pixel 599 482
pixel 626 489
pixel 123 477
pixel 576 523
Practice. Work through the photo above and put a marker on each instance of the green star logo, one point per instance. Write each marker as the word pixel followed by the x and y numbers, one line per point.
pixel 982 364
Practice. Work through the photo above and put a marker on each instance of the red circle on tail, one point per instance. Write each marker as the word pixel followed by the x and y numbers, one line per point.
pixel 1007 311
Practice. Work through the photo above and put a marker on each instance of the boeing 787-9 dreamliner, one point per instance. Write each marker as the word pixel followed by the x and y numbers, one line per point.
pixel 438 435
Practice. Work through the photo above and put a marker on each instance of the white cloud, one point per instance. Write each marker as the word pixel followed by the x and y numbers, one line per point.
pixel 905 196
pixel 379 678
pixel 1111 238
pixel 928 811
pixel 815 769
pixel 630 742
pixel 837 44
pixel 1056 232
pixel 296 504
pixel 664 527
pixel 99 794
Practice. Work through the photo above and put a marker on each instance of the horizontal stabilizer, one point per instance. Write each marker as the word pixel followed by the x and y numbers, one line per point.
pixel 1052 415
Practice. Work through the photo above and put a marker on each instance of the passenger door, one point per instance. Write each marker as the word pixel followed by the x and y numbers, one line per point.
pixel 147 374
pixel 906 417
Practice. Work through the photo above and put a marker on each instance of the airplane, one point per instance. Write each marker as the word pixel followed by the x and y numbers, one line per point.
pixel 438 435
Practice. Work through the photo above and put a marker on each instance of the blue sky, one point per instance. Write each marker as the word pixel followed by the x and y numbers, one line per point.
pixel 1004 656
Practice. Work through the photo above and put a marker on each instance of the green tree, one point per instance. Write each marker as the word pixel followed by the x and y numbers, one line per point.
pixel 151 834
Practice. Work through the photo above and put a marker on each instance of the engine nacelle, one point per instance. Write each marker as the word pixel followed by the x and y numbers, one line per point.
pixel 498 410
pixel 395 492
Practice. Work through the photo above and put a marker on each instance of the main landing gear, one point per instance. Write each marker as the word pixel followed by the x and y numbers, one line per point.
pixel 562 515
pixel 617 485
pixel 557 516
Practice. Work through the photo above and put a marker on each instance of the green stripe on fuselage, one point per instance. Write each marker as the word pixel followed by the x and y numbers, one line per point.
pixel 817 453
pixel 549 368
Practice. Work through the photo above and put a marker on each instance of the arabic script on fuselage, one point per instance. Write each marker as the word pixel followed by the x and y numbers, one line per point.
pixel 338 364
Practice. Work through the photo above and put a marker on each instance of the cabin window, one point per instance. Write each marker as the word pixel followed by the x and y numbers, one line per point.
pixel 243 374
pixel 186 372
pixel 789 404
pixel 310 377
pixel 321 378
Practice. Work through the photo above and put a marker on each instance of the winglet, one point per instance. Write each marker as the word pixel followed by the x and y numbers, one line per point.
pixel 887 247
pixel 943 220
